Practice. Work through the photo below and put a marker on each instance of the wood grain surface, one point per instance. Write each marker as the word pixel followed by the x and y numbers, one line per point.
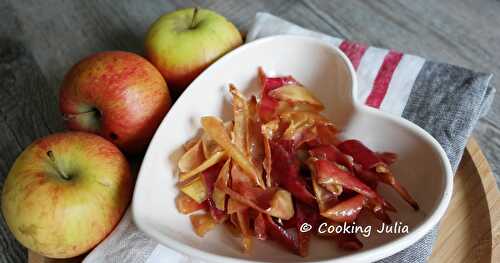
pixel 469 231
pixel 40 40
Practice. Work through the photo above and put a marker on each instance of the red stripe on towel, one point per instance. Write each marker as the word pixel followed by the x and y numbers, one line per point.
pixel 384 76
pixel 354 51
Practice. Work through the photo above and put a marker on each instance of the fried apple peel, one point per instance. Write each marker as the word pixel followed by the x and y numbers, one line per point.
pixel 240 116
pixel 234 206
pixel 281 205
pixel 324 198
pixel 186 178
pixel 267 163
pixel 293 93
pixel 219 196
pixel 202 223
pixel 192 158
pixel 191 142
pixel 254 137
pixel 196 190
pixel 186 204
pixel 347 210
pixel 215 129
pixel 243 222
pixel 278 164
pixel 270 129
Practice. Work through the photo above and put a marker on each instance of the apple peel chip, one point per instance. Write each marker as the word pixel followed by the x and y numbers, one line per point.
pixel 215 128
pixel 185 178
pixel 293 93
pixel 192 158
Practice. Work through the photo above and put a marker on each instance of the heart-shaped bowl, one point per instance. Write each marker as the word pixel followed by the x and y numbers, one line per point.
pixel 422 167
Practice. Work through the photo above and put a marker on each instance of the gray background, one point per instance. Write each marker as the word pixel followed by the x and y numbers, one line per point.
pixel 40 40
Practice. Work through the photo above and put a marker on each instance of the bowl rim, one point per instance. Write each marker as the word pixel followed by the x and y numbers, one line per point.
pixel 390 248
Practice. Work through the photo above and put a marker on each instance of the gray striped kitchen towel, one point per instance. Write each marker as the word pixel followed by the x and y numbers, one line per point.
pixel 443 99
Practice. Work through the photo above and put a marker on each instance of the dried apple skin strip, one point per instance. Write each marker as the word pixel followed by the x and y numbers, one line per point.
pixel 267 163
pixel 293 93
pixel 234 206
pixel 202 223
pixel 285 172
pixel 209 177
pixel 281 205
pixel 305 214
pixel 281 235
pixel 260 227
pixel 215 129
pixel 241 119
pixel 243 222
pixel 274 201
pixel 191 142
pixel 186 204
pixel 219 196
pixel 196 190
pixel 361 154
pixel 255 139
pixel 347 210
pixel 369 160
pixel 192 158
pixel 329 172
pixel 185 178
pixel 247 187
pixel 325 198
pixel 245 133
pixel 332 154
pixel 268 106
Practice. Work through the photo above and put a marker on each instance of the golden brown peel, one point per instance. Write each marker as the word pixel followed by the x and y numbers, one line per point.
pixel 202 224
pixel 186 178
pixel 254 136
pixel 267 163
pixel 240 116
pixel 189 144
pixel 239 190
pixel 281 205
pixel 192 158
pixel 196 190
pixel 243 222
pixel 234 206
pixel 215 129
pixel 219 196
pixel 186 204
pixel 296 94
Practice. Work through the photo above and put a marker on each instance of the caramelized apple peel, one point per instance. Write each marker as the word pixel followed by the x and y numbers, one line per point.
pixel 277 165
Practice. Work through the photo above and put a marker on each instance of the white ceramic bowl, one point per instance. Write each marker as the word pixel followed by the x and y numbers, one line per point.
pixel 422 165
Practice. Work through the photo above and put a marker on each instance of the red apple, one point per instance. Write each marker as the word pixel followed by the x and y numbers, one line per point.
pixel 65 193
pixel 183 43
pixel 116 94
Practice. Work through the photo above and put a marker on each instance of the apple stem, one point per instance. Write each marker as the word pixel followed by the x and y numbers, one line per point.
pixel 193 21
pixel 52 158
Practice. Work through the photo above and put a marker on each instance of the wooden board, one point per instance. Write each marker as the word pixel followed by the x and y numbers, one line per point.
pixel 470 229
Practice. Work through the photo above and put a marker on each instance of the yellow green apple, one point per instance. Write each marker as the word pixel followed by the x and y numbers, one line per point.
pixel 183 43
pixel 65 193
